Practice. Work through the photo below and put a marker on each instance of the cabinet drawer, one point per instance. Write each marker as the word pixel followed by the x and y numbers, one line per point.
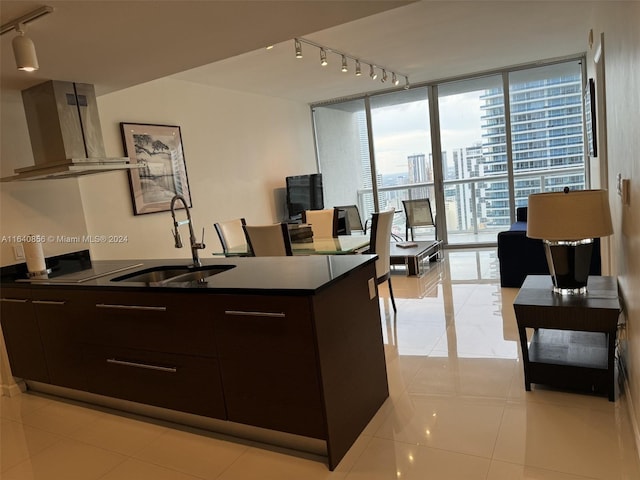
pixel 166 323
pixel 268 364
pixel 278 326
pixel 179 382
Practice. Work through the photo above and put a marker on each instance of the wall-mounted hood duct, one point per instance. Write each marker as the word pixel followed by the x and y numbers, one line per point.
pixel 65 133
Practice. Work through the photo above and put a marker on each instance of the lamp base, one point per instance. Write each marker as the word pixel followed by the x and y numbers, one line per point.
pixel 569 263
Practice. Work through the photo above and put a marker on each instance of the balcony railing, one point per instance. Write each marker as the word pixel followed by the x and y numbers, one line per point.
pixel 472 213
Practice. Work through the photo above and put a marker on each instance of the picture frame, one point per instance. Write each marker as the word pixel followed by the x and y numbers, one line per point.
pixel 590 117
pixel 164 175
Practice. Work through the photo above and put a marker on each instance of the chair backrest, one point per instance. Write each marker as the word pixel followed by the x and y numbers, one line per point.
pixel 268 240
pixel 231 234
pixel 381 223
pixel 324 223
pixel 353 217
pixel 418 213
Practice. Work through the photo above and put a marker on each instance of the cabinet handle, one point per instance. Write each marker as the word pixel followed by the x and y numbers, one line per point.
pixel 146 366
pixel 14 300
pixel 254 314
pixel 131 307
pixel 49 302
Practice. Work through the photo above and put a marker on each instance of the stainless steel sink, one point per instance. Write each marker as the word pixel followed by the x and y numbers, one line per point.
pixel 173 274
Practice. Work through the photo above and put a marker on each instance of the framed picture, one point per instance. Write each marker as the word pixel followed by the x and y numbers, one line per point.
pixel 590 117
pixel 165 172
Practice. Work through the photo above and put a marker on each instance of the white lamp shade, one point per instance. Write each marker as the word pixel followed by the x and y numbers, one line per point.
pixel 25 53
pixel 571 216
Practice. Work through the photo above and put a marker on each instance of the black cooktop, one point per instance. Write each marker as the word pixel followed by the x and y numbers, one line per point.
pixel 73 267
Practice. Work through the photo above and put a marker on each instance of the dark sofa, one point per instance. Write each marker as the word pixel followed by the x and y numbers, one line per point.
pixel 520 255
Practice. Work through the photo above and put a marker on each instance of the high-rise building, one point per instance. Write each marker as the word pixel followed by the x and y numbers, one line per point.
pixel 547 141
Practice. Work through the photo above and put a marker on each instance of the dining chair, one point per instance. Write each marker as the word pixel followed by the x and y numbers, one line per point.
pixel 268 240
pixel 324 223
pixel 231 234
pixel 418 213
pixel 380 244
pixel 353 217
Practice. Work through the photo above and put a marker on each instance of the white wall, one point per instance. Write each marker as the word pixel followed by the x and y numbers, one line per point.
pixel 238 147
pixel 619 21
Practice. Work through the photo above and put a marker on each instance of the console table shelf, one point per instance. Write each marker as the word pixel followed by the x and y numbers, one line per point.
pixel 573 345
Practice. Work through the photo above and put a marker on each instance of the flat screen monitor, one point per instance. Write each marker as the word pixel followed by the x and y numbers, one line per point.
pixel 304 192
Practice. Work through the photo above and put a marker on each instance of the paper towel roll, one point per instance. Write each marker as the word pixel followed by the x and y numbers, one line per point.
pixel 35 256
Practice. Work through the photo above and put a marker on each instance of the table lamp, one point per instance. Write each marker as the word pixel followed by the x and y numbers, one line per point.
pixel 567 222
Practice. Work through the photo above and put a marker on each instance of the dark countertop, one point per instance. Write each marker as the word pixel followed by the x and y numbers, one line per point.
pixel 295 275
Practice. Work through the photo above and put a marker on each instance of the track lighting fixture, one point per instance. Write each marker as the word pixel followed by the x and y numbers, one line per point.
pixel 298 49
pixel 345 57
pixel 24 50
pixel 406 83
pixel 323 57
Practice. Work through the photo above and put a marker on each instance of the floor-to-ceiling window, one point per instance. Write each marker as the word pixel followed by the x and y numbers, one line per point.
pixel 402 148
pixel 501 137
pixel 474 151
pixel 547 129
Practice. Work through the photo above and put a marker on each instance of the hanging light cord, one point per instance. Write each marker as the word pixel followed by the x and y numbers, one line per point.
pixel 358 62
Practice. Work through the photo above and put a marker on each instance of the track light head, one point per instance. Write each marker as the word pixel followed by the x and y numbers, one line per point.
pixel 344 64
pixel 384 76
pixel 24 51
pixel 394 79
pixel 406 83
pixel 298 48
pixel 323 57
pixel 372 72
pixel 358 69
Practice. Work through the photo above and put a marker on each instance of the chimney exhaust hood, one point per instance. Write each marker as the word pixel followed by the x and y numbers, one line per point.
pixel 65 133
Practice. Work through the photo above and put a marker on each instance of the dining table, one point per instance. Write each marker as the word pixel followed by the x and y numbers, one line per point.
pixel 340 245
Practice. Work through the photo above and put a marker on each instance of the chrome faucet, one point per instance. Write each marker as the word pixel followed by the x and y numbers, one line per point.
pixel 195 246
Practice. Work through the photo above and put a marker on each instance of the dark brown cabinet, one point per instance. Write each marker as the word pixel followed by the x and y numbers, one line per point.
pixel 154 348
pixel 22 335
pixel 178 382
pixel 60 314
pixel 268 363
pixel 308 362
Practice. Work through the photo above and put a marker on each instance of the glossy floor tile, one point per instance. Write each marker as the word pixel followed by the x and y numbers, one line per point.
pixel 457 410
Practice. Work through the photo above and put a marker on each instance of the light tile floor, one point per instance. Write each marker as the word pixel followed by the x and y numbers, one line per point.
pixel 457 410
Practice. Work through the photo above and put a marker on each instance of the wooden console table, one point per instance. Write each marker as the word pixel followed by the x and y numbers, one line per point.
pixel 573 345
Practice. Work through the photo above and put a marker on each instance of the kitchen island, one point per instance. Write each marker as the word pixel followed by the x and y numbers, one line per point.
pixel 291 345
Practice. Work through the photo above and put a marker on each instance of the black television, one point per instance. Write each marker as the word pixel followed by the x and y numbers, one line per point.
pixel 304 192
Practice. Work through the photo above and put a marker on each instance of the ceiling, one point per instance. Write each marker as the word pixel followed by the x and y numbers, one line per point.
pixel 118 44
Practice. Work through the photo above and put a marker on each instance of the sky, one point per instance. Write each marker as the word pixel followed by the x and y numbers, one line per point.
pixel 403 130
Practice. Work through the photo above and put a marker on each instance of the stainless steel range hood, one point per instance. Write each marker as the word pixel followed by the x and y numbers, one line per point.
pixel 65 133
